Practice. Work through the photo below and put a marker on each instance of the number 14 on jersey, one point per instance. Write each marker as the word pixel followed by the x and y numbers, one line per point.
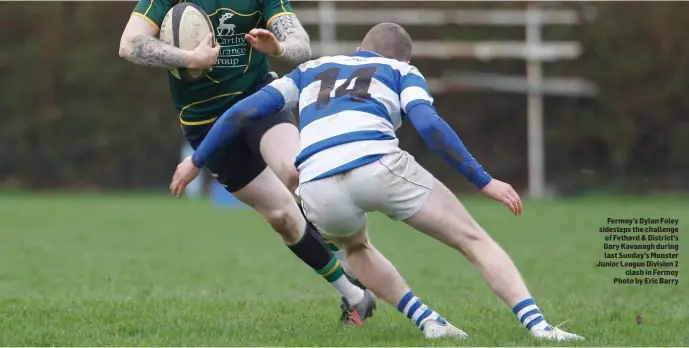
pixel 356 86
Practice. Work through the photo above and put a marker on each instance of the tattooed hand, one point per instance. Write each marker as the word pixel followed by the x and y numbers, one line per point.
pixel 295 41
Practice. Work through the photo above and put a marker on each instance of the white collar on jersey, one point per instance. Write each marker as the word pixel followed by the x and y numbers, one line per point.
pixel 366 54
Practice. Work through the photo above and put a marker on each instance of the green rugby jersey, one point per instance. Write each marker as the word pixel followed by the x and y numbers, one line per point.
pixel 238 66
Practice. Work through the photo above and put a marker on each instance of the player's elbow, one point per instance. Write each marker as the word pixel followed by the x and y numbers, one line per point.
pixel 305 52
pixel 298 48
pixel 306 56
pixel 431 131
pixel 125 51
pixel 426 126
pixel 125 47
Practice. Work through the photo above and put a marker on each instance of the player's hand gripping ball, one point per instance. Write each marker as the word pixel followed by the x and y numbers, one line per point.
pixel 188 27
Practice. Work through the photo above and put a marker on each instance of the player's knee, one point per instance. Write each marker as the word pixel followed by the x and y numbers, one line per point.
pixel 472 241
pixel 284 222
pixel 475 233
pixel 356 244
pixel 279 218
pixel 468 238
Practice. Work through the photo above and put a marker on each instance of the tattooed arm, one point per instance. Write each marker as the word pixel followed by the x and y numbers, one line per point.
pixel 139 46
pixel 296 47
pixel 149 51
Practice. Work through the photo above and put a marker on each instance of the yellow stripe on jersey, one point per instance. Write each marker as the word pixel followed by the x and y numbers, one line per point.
pixel 198 123
pixel 212 79
pixel 150 21
pixel 233 11
pixel 248 64
pixel 149 8
pixel 251 48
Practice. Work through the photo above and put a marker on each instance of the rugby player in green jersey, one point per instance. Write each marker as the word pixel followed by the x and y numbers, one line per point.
pixel 257 168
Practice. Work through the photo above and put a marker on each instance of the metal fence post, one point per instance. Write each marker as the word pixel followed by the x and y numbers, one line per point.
pixel 534 77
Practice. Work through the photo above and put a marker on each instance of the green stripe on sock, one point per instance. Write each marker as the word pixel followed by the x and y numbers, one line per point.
pixel 333 271
pixel 335 275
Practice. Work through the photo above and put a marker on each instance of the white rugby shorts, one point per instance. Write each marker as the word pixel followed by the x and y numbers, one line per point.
pixel 395 185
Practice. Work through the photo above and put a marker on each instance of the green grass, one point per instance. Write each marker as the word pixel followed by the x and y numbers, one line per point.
pixel 153 271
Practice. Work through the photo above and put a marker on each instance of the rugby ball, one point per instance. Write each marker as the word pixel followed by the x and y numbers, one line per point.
pixel 184 26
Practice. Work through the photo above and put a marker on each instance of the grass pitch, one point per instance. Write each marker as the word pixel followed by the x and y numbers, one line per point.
pixel 154 271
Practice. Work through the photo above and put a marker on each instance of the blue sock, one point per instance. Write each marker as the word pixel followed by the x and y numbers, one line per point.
pixel 529 314
pixel 418 312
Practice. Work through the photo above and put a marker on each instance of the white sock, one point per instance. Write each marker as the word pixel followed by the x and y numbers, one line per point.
pixel 352 293
pixel 334 273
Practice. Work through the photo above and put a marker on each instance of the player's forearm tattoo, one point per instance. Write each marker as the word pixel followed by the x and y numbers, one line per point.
pixel 293 36
pixel 149 51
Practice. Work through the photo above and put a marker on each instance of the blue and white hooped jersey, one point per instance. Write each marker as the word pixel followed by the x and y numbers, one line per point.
pixel 350 108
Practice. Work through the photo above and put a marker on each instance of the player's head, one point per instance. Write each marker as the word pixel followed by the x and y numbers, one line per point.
pixel 389 40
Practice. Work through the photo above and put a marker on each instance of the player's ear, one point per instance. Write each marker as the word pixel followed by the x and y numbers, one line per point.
pixel 358 49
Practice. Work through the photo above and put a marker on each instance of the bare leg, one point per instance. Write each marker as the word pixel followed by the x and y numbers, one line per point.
pixel 374 270
pixel 381 277
pixel 444 218
pixel 279 147
pixel 268 196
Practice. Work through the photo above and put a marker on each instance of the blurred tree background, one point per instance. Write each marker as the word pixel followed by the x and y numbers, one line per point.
pixel 77 116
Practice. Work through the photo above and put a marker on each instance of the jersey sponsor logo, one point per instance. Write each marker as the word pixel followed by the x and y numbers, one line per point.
pixel 224 28
pixel 234 50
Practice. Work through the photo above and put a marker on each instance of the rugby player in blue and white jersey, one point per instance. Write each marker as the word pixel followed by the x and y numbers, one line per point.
pixel 350 164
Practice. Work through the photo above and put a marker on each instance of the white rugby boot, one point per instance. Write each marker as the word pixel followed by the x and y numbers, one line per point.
pixel 555 334
pixel 440 328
